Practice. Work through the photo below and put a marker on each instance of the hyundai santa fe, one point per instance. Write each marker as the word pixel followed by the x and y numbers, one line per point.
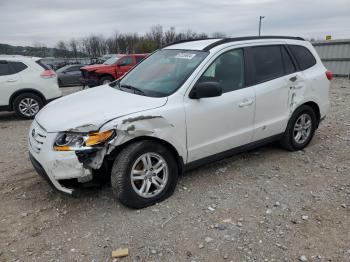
pixel 186 104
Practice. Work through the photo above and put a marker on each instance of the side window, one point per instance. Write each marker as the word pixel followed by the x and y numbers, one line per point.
pixel 74 68
pixel 126 61
pixel 228 70
pixel 17 66
pixel 5 69
pixel 289 67
pixel 267 62
pixel 303 56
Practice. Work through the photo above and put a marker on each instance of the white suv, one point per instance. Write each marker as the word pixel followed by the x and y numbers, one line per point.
pixel 186 104
pixel 26 85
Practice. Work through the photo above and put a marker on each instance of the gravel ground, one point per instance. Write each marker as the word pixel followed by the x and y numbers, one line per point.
pixel 264 205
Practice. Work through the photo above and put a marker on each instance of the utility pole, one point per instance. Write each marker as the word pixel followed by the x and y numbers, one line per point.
pixel 260 18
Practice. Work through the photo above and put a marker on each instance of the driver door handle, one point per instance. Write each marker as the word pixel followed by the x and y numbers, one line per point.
pixel 12 80
pixel 246 102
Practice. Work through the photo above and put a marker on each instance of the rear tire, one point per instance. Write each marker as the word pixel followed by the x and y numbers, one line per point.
pixel 300 129
pixel 106 80
pixel 131 174
pixel 27 105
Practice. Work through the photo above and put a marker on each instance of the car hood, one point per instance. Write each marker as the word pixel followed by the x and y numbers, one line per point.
pixel 94 67
pixel 89 109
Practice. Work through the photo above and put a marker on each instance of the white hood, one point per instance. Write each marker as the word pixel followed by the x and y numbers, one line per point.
pixel 93 107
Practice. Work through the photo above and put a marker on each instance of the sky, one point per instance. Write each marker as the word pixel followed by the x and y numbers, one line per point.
pixel 45 22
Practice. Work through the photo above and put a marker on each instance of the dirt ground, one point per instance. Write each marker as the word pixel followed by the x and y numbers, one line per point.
pixel 263 205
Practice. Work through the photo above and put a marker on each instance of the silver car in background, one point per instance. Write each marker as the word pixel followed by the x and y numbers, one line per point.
pixel 69 75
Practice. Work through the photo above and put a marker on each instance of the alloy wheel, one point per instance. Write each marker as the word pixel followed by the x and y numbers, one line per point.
pixel 302 128
pixel 149 175
pixel 28 107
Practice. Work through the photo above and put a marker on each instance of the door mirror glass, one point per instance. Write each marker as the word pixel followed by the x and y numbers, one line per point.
pixel 206 89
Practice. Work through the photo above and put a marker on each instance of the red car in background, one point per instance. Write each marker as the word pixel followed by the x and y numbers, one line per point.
pixel 110 70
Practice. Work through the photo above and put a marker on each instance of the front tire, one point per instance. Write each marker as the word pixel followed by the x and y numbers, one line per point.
pixel 143 174
pixel 300 129
pixel 106 80
pixel 27 105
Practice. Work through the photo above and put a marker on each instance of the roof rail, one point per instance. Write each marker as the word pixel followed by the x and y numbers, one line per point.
pixel 236 39
pixel 187 40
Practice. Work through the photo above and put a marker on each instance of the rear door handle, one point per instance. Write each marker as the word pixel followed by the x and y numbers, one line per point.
pixel 246 102
pixel 12 80
pixel 293 78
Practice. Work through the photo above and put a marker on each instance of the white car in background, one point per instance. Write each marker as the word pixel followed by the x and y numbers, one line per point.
pixel 26 85
pixel 186 104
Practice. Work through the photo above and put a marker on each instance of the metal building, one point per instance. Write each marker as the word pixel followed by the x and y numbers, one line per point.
pixel 335 55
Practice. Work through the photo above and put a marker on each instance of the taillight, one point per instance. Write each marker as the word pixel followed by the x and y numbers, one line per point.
pixel 48 74
pixel 329 75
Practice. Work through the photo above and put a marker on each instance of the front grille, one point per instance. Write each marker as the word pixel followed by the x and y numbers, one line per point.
pixel 37 136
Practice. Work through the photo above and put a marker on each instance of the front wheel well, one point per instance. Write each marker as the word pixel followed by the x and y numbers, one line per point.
pixel 25 91
pixel 164 143
pixel 105 75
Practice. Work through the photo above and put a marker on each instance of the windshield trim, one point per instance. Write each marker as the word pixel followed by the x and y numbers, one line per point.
pixel 116 82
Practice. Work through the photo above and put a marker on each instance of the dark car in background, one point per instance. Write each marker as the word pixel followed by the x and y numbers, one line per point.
pixel 69 75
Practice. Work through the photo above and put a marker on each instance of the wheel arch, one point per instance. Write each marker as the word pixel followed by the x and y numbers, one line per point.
pixel 104 75
pixel 316 109
pixel 23 91
pixel 169 146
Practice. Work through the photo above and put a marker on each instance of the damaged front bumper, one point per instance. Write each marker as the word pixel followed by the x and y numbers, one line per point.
pixel 56 167
pixel 90 82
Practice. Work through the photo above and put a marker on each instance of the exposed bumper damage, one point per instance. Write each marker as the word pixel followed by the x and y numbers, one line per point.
pixel 126 130
pixel 77 166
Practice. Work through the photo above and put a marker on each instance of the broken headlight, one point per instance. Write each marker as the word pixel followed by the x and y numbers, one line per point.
pixel 68 141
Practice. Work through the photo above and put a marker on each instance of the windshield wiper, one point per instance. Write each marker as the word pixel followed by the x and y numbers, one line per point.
pixel 135 89
pixel 114 83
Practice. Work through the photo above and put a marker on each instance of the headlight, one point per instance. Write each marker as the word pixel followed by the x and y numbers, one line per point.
pixel 69 141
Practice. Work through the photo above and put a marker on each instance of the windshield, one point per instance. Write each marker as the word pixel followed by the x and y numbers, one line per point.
pixel 162 73
pixel 112 60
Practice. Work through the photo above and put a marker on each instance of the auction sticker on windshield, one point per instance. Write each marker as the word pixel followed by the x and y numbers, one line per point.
pixel 185 56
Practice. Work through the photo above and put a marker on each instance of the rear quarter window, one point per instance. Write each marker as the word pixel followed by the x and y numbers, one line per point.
pixel 43 65
pixel 304 57
pixel 17 67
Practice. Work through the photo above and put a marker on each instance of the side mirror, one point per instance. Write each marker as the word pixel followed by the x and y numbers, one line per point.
pixel 206 89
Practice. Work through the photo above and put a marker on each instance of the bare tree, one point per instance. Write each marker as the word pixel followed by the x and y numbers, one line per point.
pixel 61 49
pixel 218 35
pixel 156 35
pixel 97 45
pixel 170 36
pixel 73 45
